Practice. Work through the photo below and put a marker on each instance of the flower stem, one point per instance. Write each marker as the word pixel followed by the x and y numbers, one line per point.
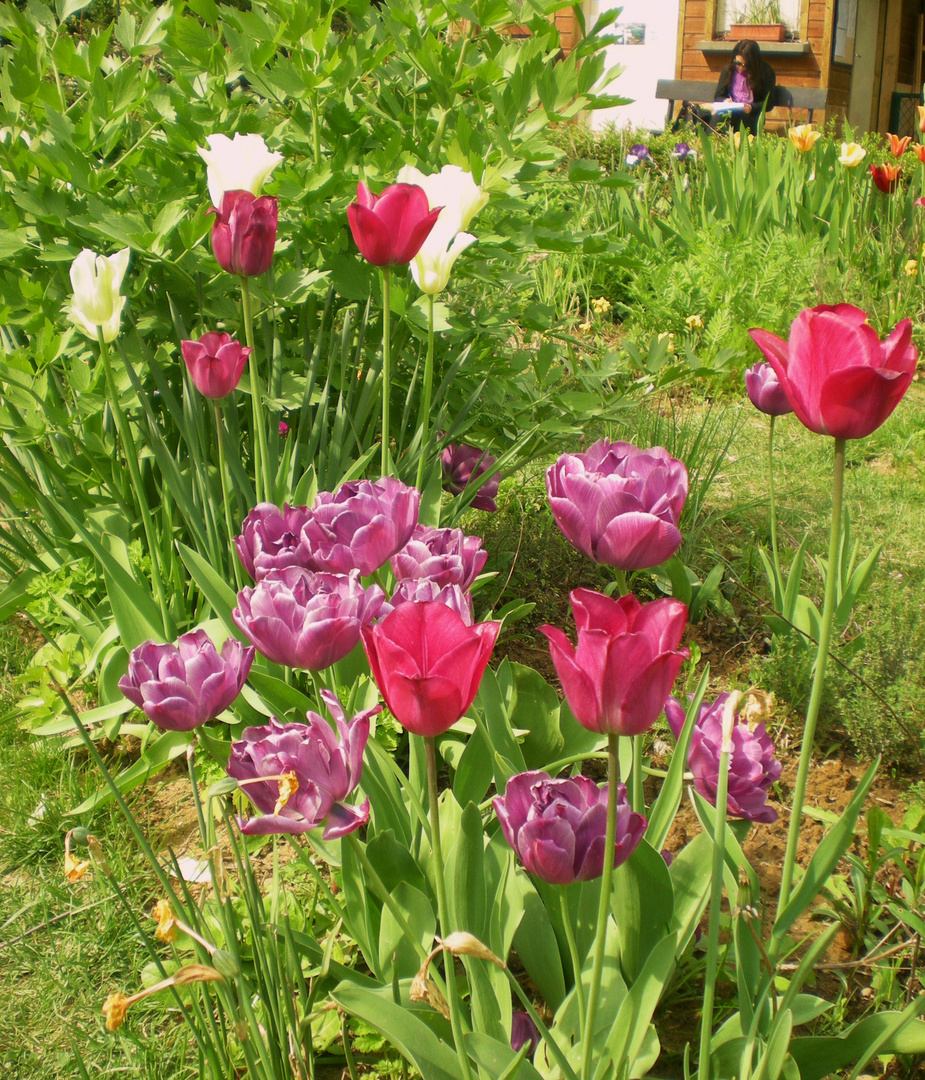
pixel 716 900
pixel 822 656
pixel 428 390
pixel 779 600
pixel 442 907
pixel 603 911
pixel 386 362
pixel 637 796
pixel 220 439
pixel 261 480
pixel 576 959
pixel 384 895
pixel 551 1045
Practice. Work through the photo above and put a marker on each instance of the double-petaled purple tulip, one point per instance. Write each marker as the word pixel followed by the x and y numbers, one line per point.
pixel 298 775
pixel 271 539
pixel 424 590
pixel 361 525
pixel 244 233
pixel 390 229
pixel 445 556
pixel 306 620
pixel 523 1030
pixel 752 767
pixel 618 679
pixel 464 464
pixel 765 391
pixel 215 363
pixel 619 505
pixel 558 828
pixel 184 685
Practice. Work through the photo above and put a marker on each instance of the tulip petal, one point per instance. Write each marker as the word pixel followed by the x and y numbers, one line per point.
pixel 856 401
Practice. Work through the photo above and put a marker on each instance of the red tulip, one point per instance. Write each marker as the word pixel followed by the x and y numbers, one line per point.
pixel 389 229
pixel 618 679
pixel 428 664
pixel 840 378
pixel 244 233
pixel 886 177
pixel 215 363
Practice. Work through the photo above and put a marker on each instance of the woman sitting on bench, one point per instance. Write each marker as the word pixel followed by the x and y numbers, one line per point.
pixel 744 87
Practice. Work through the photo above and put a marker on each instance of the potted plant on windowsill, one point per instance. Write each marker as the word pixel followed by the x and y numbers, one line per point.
pixel 759 20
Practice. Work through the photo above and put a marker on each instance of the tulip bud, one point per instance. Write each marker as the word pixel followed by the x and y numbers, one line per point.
pixel 244 233
pixel 96 280
pixel 215 363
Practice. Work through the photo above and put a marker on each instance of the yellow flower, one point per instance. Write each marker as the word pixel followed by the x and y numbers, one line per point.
pixel 166 921
pixel 601 305
pixel 911 268
pixel 585 327
pixel 288 786
pixel 694 322
pixel 803 137
pixel 74 868
pixel 670 337
pixel 116 1005
pixel 851 154
pixel 114 1009
pixel 737 139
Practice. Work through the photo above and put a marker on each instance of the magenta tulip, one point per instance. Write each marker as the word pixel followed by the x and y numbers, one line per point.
pixel 619 505
pixel 462 465
pixel 628 657
pixel 308 773
pixel 765 391
pixel 840 378
pixel 752 767
pixel 424 590
pixel 361 525
pixel 558 828
pixel 389 229
pixel 271 539
pixel 215 363
pixel 445 556
pixel 184 685
pixel 244 233
pixel 428 664
pixel 306 620
pixel 523 1030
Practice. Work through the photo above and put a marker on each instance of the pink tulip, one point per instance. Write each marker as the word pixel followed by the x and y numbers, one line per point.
pixel 765 391
pixel 840 378
pixel 618 679
pixel 428 664
pixel 463 465
pixel 244 233
pixel 215 363
pixel 271 539
pixel 424 590
pixel 446 556
pixel 390 228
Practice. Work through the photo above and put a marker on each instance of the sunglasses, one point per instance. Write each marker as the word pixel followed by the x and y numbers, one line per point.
pixel 739 63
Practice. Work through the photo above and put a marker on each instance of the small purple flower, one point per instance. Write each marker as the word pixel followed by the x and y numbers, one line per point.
pixel 271 539
pixel 765 391
pixel 425 590
pixel 184 685
pixel 298 775
pixel 361 525
pixel 462 465
pixel 752 767
pixel 557 827
pixel 307 620
pixel 640 151
pixel 283 429
pixel 683 151
pixel 523 1030
pixel 619 505
pixel 446 556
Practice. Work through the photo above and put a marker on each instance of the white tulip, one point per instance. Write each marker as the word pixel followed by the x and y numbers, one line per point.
pixel 461 198
pixel 97 304
pixel 239 164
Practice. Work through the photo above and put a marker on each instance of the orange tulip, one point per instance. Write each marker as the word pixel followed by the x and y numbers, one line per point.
pixel 898 145
pixel 803 137
pixel 919 150
pixel 921 109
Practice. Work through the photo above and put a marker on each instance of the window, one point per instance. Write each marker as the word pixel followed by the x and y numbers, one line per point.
pixel 729 12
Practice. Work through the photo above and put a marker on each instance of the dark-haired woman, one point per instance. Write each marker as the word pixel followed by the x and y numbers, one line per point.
pixel 748 81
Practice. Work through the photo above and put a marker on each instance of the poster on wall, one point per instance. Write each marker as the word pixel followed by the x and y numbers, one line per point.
pixel 846 21
pixel 629 33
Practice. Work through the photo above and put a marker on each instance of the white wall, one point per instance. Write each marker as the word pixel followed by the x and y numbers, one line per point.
pixel 644 64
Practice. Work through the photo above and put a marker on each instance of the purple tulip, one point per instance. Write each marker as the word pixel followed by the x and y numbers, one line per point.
pixel 765 391
pixel 523 1030
pixel 361 525
pixel 682 151
pixel 215 363
pixel 752 767
pixel 619 505
pixel 640 152
pixel 244 233
pixel 424 590
pixel 271 539
pixel 557 827
pixel 184 685
pixel 446 556
pixel 307 620
pixel 308 773
pixel 464 464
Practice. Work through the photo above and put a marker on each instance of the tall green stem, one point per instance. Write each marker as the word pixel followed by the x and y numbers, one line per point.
pixel 716 897
pixel 774 554
pixel 442 907
pixel 261 464
pixel 822 656
pixel 220 439
pixel 576 959
pixel 386 362
pixel 603 911
pixel 428 391
pixel 131 461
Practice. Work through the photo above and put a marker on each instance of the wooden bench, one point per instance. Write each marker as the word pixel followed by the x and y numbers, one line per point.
pixel 800 97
